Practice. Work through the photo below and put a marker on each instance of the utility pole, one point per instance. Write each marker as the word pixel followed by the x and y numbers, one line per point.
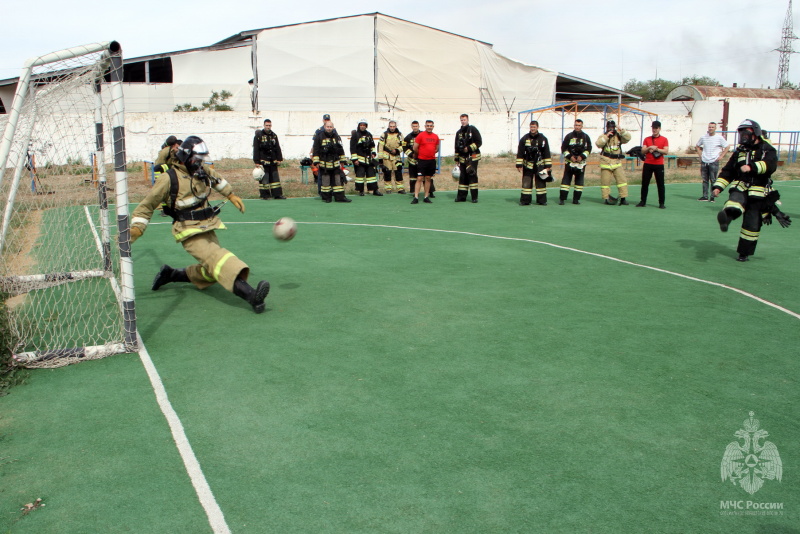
pixel 787 36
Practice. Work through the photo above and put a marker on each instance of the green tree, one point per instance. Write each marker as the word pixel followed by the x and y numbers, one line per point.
pixel 699 80
pixel 215 103
pixel 650 90
pixel 658 89
pixel 789 85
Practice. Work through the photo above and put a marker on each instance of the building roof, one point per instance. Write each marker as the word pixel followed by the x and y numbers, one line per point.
pixel 245 35
pixel 704 92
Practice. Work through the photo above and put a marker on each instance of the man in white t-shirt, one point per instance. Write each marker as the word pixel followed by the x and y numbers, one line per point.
pixel 713 147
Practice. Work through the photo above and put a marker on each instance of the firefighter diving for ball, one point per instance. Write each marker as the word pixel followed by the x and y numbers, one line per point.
pixel 185 189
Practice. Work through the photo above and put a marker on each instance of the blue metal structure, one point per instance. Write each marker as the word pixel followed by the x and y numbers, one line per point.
pixel 609 110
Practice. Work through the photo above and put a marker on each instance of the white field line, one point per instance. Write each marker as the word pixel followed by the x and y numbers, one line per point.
pixel 215 516
pixel 570 249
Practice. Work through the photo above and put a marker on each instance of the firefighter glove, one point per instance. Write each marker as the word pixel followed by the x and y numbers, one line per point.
pixel 136 233
pixel 783 219
pixel 236 202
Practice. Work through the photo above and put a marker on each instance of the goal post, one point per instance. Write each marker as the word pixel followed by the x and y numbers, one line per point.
pixel 65 263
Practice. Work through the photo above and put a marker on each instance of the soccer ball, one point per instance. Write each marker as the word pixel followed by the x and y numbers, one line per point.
pixel 284 229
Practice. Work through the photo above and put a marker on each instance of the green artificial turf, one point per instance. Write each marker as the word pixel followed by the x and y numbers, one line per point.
pixel 471 379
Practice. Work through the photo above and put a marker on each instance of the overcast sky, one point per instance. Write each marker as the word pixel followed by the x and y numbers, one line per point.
pixel 606 42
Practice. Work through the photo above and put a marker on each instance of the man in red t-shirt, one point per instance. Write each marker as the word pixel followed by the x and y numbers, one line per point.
pixel 654 149
pixel 426 145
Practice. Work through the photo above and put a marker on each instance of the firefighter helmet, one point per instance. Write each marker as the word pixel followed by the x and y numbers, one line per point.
pixel 749 131
pixel 456 173
pixel 258 173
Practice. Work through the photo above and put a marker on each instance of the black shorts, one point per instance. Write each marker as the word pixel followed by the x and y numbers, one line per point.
pixel 426 167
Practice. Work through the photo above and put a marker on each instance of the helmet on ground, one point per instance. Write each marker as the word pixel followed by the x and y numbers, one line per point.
pixel 192 153
pixel 749 131
pixel 258 173
pixel 456 173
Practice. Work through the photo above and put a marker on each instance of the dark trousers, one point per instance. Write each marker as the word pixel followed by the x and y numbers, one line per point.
pixel 270 185
pixel 468 181
pixel 648 170
pixel 571 173
pixel 750 209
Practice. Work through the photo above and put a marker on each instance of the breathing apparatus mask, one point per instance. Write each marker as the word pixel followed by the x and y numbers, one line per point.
pixel 193 153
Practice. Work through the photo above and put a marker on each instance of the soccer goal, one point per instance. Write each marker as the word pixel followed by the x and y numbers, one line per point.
pixel 65 267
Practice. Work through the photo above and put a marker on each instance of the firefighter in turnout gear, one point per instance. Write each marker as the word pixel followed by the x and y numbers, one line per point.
pixel 362 154
pixel 267 155
pixel 576 148
pixel 185 189
pixel 166 156
pixel 468 154
pixel 751 195
pixel 328 156
pixel 611 160
pixel 165 159
pixel 390 152
pixel 535 163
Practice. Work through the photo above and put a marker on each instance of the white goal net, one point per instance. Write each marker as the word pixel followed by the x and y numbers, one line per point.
pixel 65 268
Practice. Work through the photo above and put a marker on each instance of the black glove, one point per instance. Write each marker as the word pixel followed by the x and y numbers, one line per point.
pixel 783 219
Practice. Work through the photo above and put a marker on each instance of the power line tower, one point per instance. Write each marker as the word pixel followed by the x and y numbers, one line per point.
pixel 787 36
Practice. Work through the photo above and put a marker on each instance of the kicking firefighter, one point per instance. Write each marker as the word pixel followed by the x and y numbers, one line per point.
pixel 328 156
pixel 267 156
pixel 576 148
pixel 362 153
pixel 185 189
pixel 611 159
pixel 390 148
pixel 468 154
pixel 751 195
pixel 535 163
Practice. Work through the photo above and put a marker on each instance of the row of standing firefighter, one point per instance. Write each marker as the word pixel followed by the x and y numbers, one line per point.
pixel 388 156
pixel 747 174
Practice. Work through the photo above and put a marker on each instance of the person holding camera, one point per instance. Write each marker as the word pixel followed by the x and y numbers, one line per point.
pixel 390 152
pixel 575 148
pixel 611 159
pixel 654 149
pixel 267 155
pixel 535 163
pixel 468 154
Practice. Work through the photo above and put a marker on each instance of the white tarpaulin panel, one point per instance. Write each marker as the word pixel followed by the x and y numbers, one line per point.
pixel 326 66
pixel 196 74
pixel 533 87
pixel 424 69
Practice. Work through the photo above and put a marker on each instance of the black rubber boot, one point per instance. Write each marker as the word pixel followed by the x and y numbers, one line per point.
pixel 254 296
pixel 562 197
pixel 166 275
pixel 724 220
pixel 576 197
